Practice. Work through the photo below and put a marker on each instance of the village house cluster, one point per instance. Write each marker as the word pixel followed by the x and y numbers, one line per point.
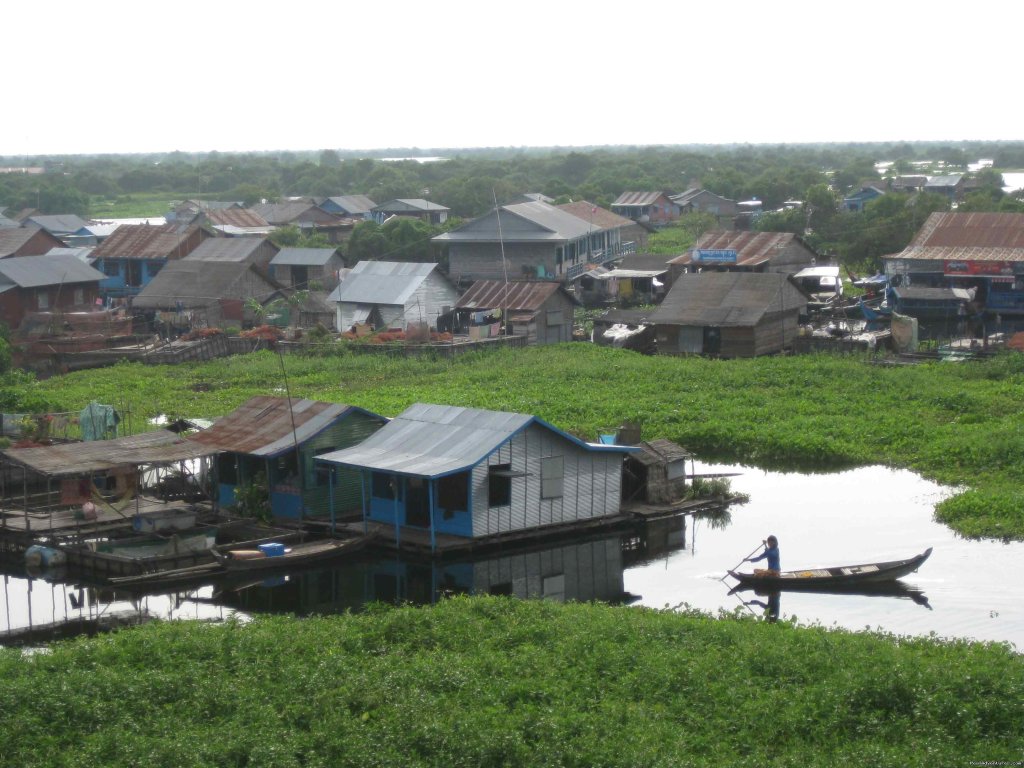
pixel 518 272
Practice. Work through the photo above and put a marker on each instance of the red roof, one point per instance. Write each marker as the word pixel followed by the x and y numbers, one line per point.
pixel 969 236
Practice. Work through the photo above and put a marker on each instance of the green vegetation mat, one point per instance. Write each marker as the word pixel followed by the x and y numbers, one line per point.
pixel 958 423
pixel 501 682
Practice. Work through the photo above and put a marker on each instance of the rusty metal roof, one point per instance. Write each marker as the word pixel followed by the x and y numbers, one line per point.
pixel 236 217
pixel 752 248
pixel 599 217
pixel 638 199
pixel 968 237
pixel 262 426
pixel 145 241
pixel 654 452
pixel 516 295
pixel 159 447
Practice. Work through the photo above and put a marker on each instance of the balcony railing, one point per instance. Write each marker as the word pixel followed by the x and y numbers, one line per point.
pixel 600 258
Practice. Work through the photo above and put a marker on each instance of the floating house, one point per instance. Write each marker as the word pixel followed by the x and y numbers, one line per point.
pixel 962 257
pixel 729 314
pixel 444 471
pixel 542 311
pixel 278 439
pixel 736 251
pixel 392 294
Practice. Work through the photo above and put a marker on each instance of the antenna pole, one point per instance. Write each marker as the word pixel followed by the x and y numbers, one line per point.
pixel 504 266
pixel 295 434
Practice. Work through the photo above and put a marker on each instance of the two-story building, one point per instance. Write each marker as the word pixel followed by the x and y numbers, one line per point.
pixel 135 253
pixel 529 240
pixel 651 207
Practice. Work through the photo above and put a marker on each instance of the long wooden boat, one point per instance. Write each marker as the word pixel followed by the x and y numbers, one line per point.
pixel 294 556
pixel 868 573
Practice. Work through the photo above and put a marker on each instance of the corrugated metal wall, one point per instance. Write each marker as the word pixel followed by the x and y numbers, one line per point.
pixel 591 484
pixel 350 431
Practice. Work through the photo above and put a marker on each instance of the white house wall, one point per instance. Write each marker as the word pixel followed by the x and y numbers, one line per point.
pixel 591 485
pixel 432 297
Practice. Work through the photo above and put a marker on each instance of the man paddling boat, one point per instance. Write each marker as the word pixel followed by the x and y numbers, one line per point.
pixel 771 554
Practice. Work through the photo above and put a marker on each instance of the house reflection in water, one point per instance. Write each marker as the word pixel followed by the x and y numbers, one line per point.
pixel 577 571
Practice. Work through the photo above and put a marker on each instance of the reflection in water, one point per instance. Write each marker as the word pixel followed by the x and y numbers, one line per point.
pixel 581 571
pixel 772 598
pixel 36 610
pixel 590 569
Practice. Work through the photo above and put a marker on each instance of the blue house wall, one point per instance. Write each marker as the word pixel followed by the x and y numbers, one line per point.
pixel 116 283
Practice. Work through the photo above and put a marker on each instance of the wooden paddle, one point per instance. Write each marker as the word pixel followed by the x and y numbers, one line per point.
pixel 741 562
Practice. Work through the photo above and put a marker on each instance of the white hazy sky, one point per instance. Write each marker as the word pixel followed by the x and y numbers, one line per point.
pixel 137 76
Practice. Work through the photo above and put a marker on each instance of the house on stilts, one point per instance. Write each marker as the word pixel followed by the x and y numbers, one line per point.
pixel 446 476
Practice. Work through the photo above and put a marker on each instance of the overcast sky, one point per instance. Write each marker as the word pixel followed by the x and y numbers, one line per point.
pixel 136 76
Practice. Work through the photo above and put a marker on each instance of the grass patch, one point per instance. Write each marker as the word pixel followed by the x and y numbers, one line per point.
pixel 959 424
pixel 502 682
pixel 133 206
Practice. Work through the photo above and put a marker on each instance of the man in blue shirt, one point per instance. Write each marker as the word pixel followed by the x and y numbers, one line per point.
pixel 771 553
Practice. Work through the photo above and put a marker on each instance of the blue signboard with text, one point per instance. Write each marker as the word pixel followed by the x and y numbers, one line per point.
pixel 715 255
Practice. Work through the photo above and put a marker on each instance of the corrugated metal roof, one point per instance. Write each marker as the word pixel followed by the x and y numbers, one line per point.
pixel 968 237
pixel 310 257
pixel 198 284
pixel 920 293
pixel 262 426
pixel 637 199
pixel 409 204
pixel 725 298
pixel 600 218
pixel 36 271
pixel 752 248
pixel 159 447
pixel 144 241
pixel 236 217
pixel 382 282
pixel 235 249
pixel 80 252
pixel 281 213
pixel 13 238
pixel 434 440
pixel 654 452
pixel 944 181
pixel 555 219
pixel 628 273
pixel 822 271
pixel 60 224
pixel 353 204
pixel 515 295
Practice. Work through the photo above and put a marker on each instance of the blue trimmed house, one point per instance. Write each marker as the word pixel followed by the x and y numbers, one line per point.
pixel 468 473
pixel 135 253
pixel 279 440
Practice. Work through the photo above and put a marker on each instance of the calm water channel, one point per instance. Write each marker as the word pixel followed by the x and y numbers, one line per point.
pixel 968 589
